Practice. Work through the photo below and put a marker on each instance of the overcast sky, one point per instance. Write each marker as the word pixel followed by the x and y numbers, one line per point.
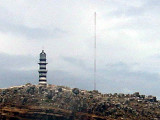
pixel 128 43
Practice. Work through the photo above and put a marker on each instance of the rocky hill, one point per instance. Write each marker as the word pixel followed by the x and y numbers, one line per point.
pixel 34 102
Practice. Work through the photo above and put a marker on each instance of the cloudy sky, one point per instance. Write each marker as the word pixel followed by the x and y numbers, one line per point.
pixel 128 43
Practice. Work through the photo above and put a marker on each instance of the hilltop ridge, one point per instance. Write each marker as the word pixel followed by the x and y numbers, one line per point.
pixel 51 102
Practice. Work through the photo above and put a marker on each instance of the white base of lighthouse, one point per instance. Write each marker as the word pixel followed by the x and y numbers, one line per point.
pixel 42 80
pixel 42 83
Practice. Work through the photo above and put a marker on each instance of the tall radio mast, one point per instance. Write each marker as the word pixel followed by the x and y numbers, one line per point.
pixel 95 51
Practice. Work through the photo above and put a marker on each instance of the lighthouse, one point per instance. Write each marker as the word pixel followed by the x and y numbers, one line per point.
pixel 42 69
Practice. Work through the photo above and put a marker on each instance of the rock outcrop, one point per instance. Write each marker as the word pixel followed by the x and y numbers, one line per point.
pixel 34 102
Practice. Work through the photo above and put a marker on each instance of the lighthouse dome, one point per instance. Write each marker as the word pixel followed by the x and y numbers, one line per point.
pixel 42 55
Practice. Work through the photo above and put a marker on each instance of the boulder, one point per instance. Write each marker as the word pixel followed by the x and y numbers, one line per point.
pixel 60 89
pixel 136 94
pixel 75 91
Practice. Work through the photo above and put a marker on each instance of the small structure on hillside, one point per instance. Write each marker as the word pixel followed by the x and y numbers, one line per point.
pixel 42 69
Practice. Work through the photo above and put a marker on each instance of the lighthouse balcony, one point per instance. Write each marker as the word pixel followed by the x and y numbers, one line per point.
pixel 42 71
pixel 42 59
pixel 42 63
pixel 42 82
pixel 42 66
pixel 42 75
pixel 42 79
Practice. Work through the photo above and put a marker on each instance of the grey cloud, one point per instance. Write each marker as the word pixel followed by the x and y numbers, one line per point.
pixel 75 61
pixel 127 11
pixel 16 77
pixel 59 77
pixel 32 33
pixel 11 24
pixel 123 8
pixel 16 61
pixel 141 18
pixel 125 70
pixel 120 76
pixel 151 3
pixel 117 66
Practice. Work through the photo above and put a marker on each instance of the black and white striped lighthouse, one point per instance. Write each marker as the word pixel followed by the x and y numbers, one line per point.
pixel 42 69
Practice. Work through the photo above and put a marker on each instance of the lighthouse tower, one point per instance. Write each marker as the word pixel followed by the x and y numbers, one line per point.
pixel 42 69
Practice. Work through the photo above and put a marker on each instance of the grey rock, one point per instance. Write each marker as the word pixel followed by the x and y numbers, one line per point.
pixel 60 89
pixel 75 91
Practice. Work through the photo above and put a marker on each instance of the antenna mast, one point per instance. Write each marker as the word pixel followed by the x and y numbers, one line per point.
pixel 95 51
